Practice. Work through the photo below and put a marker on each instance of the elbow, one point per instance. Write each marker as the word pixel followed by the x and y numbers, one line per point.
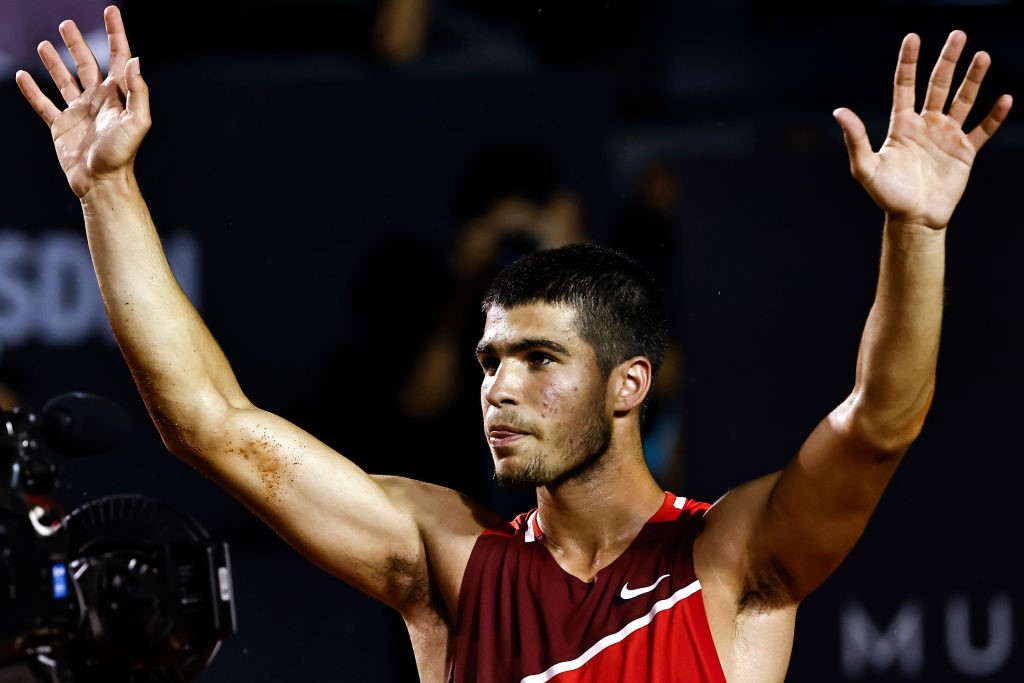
pixel 192 430
pixel 887 429
pixel 180 438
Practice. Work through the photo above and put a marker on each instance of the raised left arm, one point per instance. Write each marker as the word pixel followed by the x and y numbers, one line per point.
pixel 796 526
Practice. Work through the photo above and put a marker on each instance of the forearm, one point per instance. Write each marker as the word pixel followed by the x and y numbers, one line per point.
pixel 899 348
pixel 180 370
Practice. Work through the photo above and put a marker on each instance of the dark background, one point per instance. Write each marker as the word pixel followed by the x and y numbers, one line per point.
pixel 290 153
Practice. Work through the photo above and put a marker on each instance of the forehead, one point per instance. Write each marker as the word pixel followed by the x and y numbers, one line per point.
pixel 530 321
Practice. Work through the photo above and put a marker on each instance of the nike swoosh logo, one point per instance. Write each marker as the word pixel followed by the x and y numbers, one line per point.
pixel 630 593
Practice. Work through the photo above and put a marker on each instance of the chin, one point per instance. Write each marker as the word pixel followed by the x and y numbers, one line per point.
pixel 530 475
pixel 514 483
pixel 531 471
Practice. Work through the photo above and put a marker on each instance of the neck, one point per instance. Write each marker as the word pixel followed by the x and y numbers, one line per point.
pixel 590 519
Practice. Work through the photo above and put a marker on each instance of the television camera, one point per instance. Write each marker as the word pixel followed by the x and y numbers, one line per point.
pixel 121 589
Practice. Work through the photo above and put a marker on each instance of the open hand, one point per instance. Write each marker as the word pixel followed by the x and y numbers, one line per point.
pixel 99 133
pixel 919 173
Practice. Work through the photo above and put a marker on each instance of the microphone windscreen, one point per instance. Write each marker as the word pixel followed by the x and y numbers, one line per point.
pixel 78 423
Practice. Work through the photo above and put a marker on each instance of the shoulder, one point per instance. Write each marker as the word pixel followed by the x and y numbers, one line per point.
pixel 438 509
pixel 723 551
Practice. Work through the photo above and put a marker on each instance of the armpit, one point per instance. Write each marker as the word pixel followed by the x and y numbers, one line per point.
pixel 408 581
pixel 765 590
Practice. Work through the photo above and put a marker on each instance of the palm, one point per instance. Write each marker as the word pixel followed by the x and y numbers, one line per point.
pixel 922 169
pixel 919 173
pixel 94 136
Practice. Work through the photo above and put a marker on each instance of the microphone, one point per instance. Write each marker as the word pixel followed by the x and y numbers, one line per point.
pixel 77 423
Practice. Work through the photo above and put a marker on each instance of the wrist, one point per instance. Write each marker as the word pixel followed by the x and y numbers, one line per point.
pixel 914 235
pixel 112 188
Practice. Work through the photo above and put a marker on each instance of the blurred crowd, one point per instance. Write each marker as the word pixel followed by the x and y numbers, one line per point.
pixel 512 197
pixel 420 311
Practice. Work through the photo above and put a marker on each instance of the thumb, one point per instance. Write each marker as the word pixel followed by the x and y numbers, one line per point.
pixel 862 159
pixel 137 102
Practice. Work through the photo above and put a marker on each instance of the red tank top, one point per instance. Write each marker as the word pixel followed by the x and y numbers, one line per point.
pixel 523 619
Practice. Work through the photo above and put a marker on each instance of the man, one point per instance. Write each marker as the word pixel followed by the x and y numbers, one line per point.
pixel 610 578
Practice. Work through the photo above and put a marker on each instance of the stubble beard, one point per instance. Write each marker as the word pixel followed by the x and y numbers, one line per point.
pixel 581 455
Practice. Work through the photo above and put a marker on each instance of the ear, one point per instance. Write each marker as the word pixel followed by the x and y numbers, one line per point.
pixel 631 382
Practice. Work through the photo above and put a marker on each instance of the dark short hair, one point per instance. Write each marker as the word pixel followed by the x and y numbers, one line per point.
pixel 620 309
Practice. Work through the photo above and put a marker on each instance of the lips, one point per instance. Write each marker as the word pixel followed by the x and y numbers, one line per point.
pixel 503 435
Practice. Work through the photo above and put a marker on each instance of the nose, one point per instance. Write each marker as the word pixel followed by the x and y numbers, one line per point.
pixel 504 387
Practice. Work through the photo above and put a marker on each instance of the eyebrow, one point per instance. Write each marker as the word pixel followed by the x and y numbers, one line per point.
pixel 486 347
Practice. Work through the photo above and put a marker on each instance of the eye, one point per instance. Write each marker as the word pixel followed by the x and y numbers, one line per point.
pixel 489 364
pixel 537 359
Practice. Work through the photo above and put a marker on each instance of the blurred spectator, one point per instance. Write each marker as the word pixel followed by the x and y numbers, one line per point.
pixel 400 29
pixel 8 398
pixel 419 318
pixel 395 296
pixel 513 199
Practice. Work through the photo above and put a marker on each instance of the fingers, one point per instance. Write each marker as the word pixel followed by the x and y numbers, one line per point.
pixel 118 41
pixel 65 82
pixel 906 74
pixel 942 74
pixel 41 103
pixel 987 128
pixel 138 93
pixel 965 96
pixel 862 159
pixel 962 104
pixel 85 63
pixel 89 73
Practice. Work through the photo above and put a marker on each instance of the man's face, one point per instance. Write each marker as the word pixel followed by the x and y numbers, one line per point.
pixel 544 401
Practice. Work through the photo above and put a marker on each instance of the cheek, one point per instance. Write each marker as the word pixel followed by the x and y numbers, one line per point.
pixel 549 402
pixel 555 397
pixel 484 388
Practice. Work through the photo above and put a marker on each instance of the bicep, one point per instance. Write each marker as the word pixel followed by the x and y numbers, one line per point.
pixel 320 502
pixel 790 530
pixel 823 499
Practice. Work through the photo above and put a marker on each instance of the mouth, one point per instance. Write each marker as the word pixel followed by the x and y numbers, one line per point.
pixel 504 435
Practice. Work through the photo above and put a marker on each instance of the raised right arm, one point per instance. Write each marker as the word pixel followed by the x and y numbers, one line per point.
pixel 319 501
pixel 363 529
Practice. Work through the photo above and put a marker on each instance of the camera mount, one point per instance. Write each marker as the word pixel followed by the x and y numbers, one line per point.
pixel 124 589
